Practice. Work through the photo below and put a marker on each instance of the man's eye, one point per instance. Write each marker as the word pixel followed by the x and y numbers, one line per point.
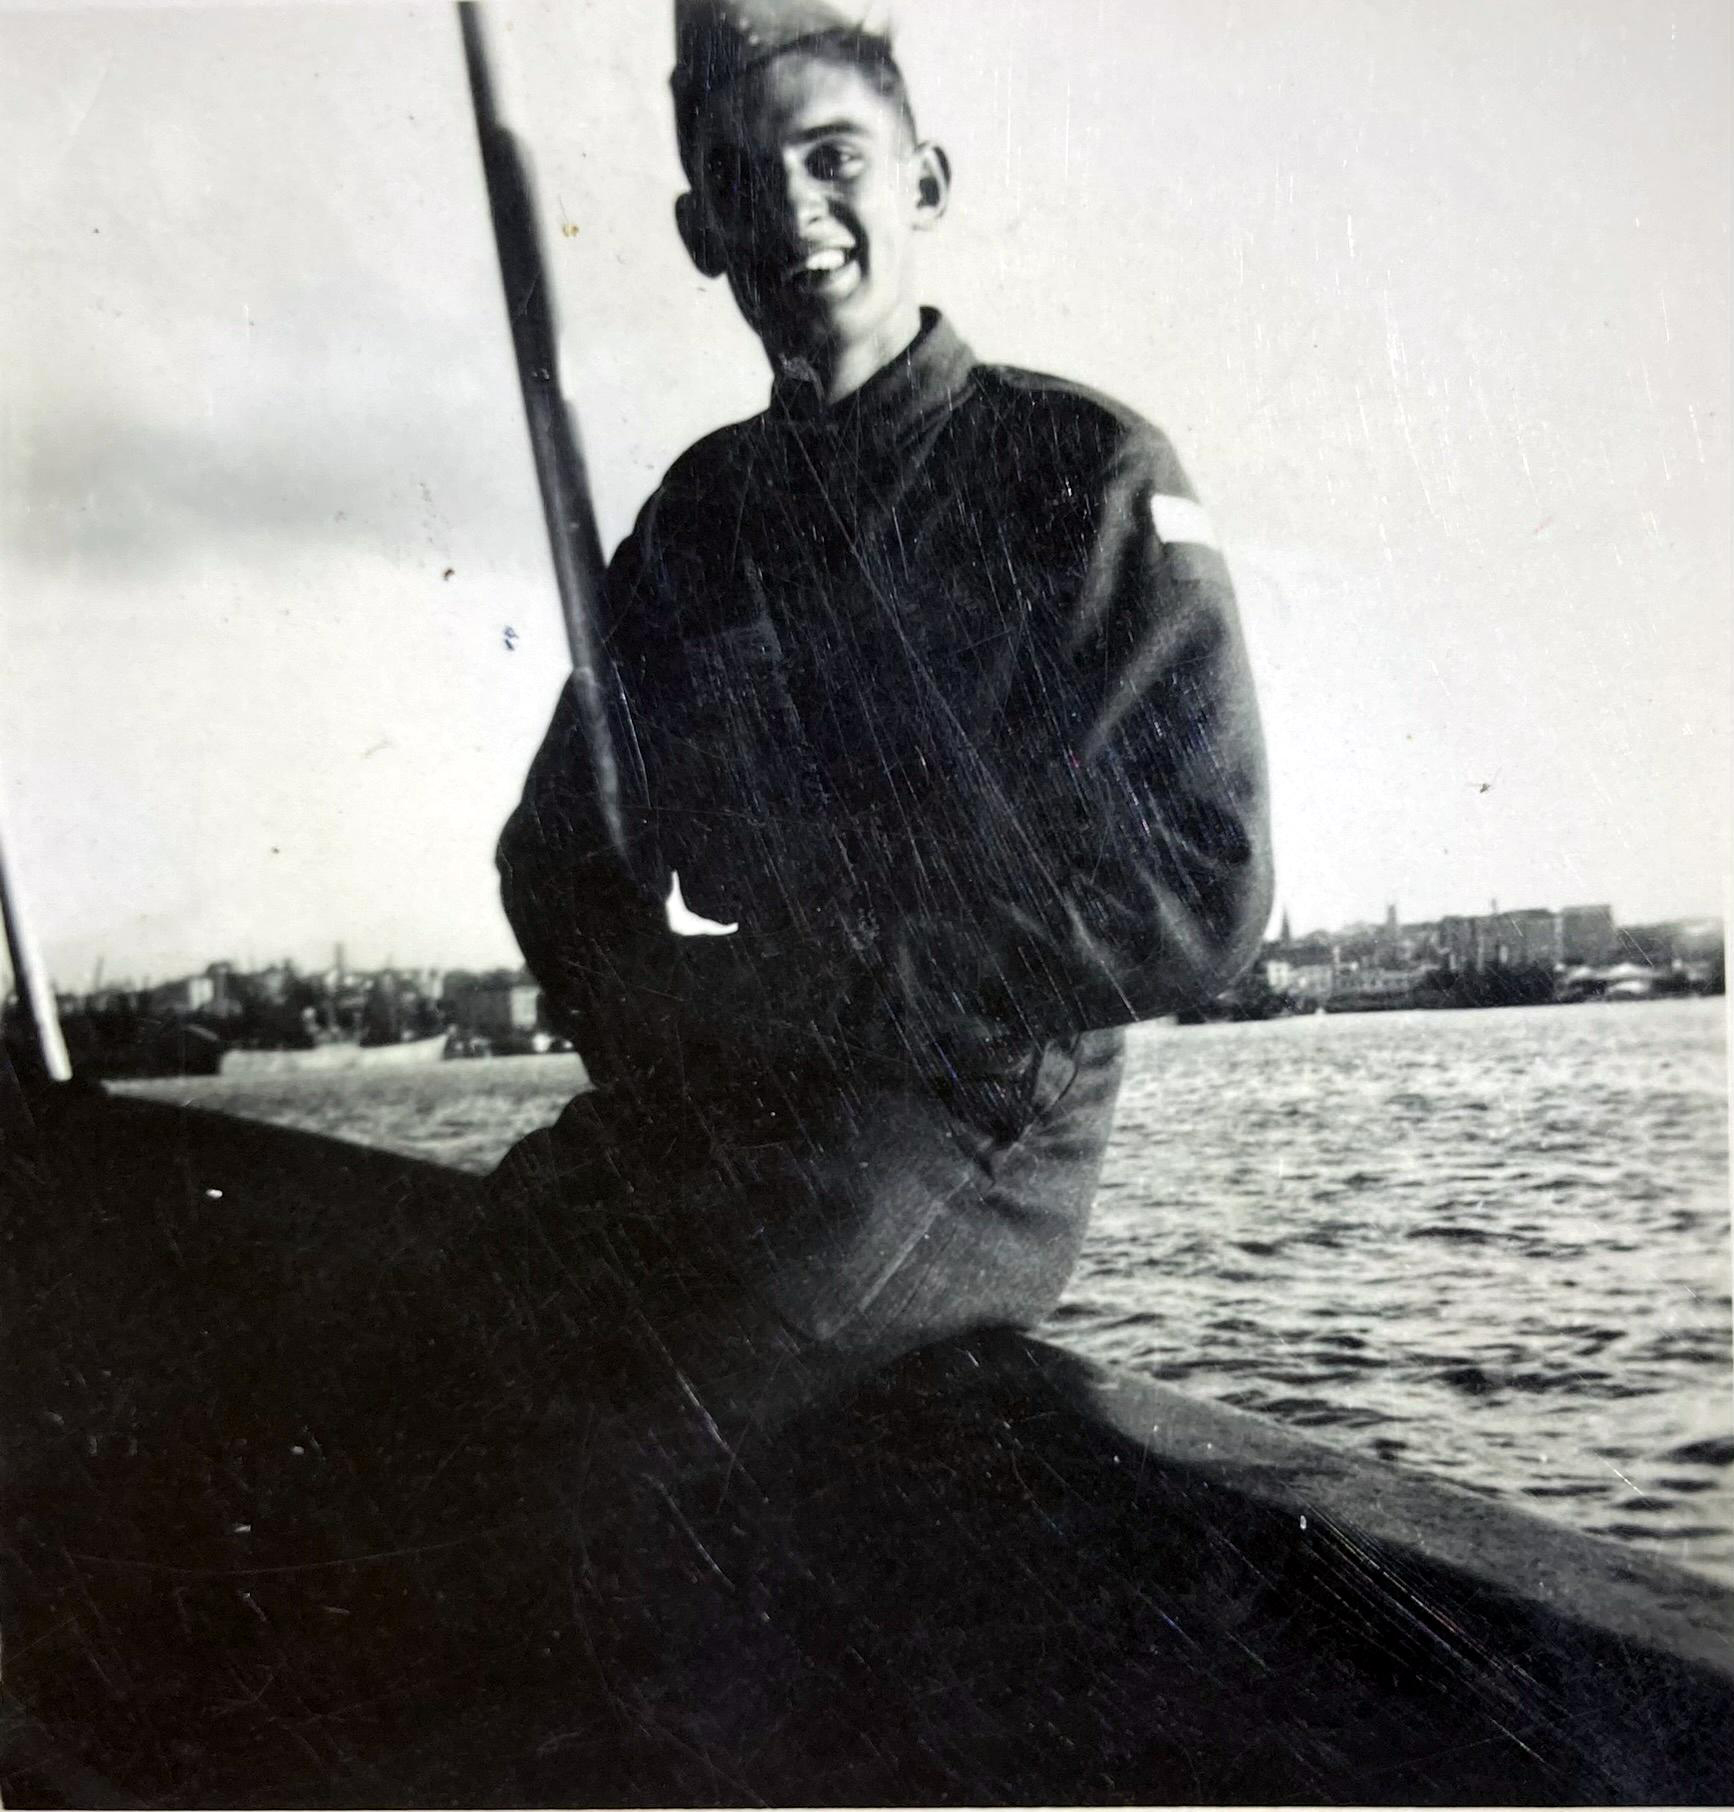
pixel 833 163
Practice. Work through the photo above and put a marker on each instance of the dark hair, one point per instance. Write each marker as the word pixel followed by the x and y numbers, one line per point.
pixel 868 53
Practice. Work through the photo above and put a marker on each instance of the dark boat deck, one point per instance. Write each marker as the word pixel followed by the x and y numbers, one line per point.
pixel 279 1532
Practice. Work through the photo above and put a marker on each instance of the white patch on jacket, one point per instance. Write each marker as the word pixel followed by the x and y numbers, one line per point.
pixel 684 922
pixel 1180 519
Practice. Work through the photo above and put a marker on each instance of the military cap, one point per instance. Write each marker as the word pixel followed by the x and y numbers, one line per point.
pixel 717 41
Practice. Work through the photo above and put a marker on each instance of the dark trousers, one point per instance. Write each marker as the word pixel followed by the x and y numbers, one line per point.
pixel 742 1252
pixel 698 1272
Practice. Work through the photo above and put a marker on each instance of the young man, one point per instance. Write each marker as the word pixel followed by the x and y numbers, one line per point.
pixel 940 765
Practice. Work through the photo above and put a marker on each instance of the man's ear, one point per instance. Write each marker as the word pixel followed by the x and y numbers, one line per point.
pixel 697 235
pixel 932 185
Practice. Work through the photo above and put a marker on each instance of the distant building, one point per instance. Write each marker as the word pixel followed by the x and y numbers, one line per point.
pixel 1672 943
pixel 1528 939
pixel 273 984
pixel 1699 938
pixel 1419 942
pixel 1386 984
pixel 1457 945
pixel 496 1010
pixel 1359 946
pixel 187 995
pixel 1308 971
pixel 382 1013
pixel 1588 935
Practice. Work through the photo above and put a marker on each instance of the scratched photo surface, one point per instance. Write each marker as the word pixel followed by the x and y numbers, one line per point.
pixel 1378 1443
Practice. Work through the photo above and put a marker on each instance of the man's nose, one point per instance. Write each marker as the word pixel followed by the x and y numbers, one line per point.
pixel 804 199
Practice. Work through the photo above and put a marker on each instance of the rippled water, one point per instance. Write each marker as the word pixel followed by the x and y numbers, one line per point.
pixel 1493 1247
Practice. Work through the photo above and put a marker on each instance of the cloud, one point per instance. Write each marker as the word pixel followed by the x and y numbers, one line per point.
pixel 252 300
pixel 128 500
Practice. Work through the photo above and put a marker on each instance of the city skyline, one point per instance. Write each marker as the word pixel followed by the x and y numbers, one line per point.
pixel 1448 363
pixel 339 958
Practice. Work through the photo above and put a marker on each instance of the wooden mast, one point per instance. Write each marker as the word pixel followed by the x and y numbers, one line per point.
pixel 560 469
pixel 35 993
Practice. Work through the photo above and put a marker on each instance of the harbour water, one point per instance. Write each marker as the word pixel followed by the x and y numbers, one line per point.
pixel 1491 1247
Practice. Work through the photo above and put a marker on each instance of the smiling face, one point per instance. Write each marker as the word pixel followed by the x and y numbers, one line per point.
pixel 809 189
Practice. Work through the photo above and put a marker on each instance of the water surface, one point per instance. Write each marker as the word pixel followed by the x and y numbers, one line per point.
pixel 1489 1246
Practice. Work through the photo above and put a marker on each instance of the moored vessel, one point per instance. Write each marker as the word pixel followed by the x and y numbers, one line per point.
pixel 335 1056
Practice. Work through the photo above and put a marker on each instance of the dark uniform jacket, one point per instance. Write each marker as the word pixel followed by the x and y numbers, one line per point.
pixel 939 695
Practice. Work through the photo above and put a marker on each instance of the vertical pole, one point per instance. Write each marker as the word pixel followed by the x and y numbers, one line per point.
pixel 35 994
pixel 573 539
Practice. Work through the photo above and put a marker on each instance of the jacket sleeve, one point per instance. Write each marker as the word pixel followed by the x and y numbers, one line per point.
pixel 1113 861
pixel 576 901
pixel 642 1004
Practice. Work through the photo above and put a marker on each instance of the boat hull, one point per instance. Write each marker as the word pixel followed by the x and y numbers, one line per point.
pixel 328 1059
pixel 299 1473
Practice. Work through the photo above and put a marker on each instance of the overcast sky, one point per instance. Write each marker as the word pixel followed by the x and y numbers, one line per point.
pixel 1433 299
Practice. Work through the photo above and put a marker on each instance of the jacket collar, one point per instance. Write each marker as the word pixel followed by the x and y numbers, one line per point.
pixel 924 381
